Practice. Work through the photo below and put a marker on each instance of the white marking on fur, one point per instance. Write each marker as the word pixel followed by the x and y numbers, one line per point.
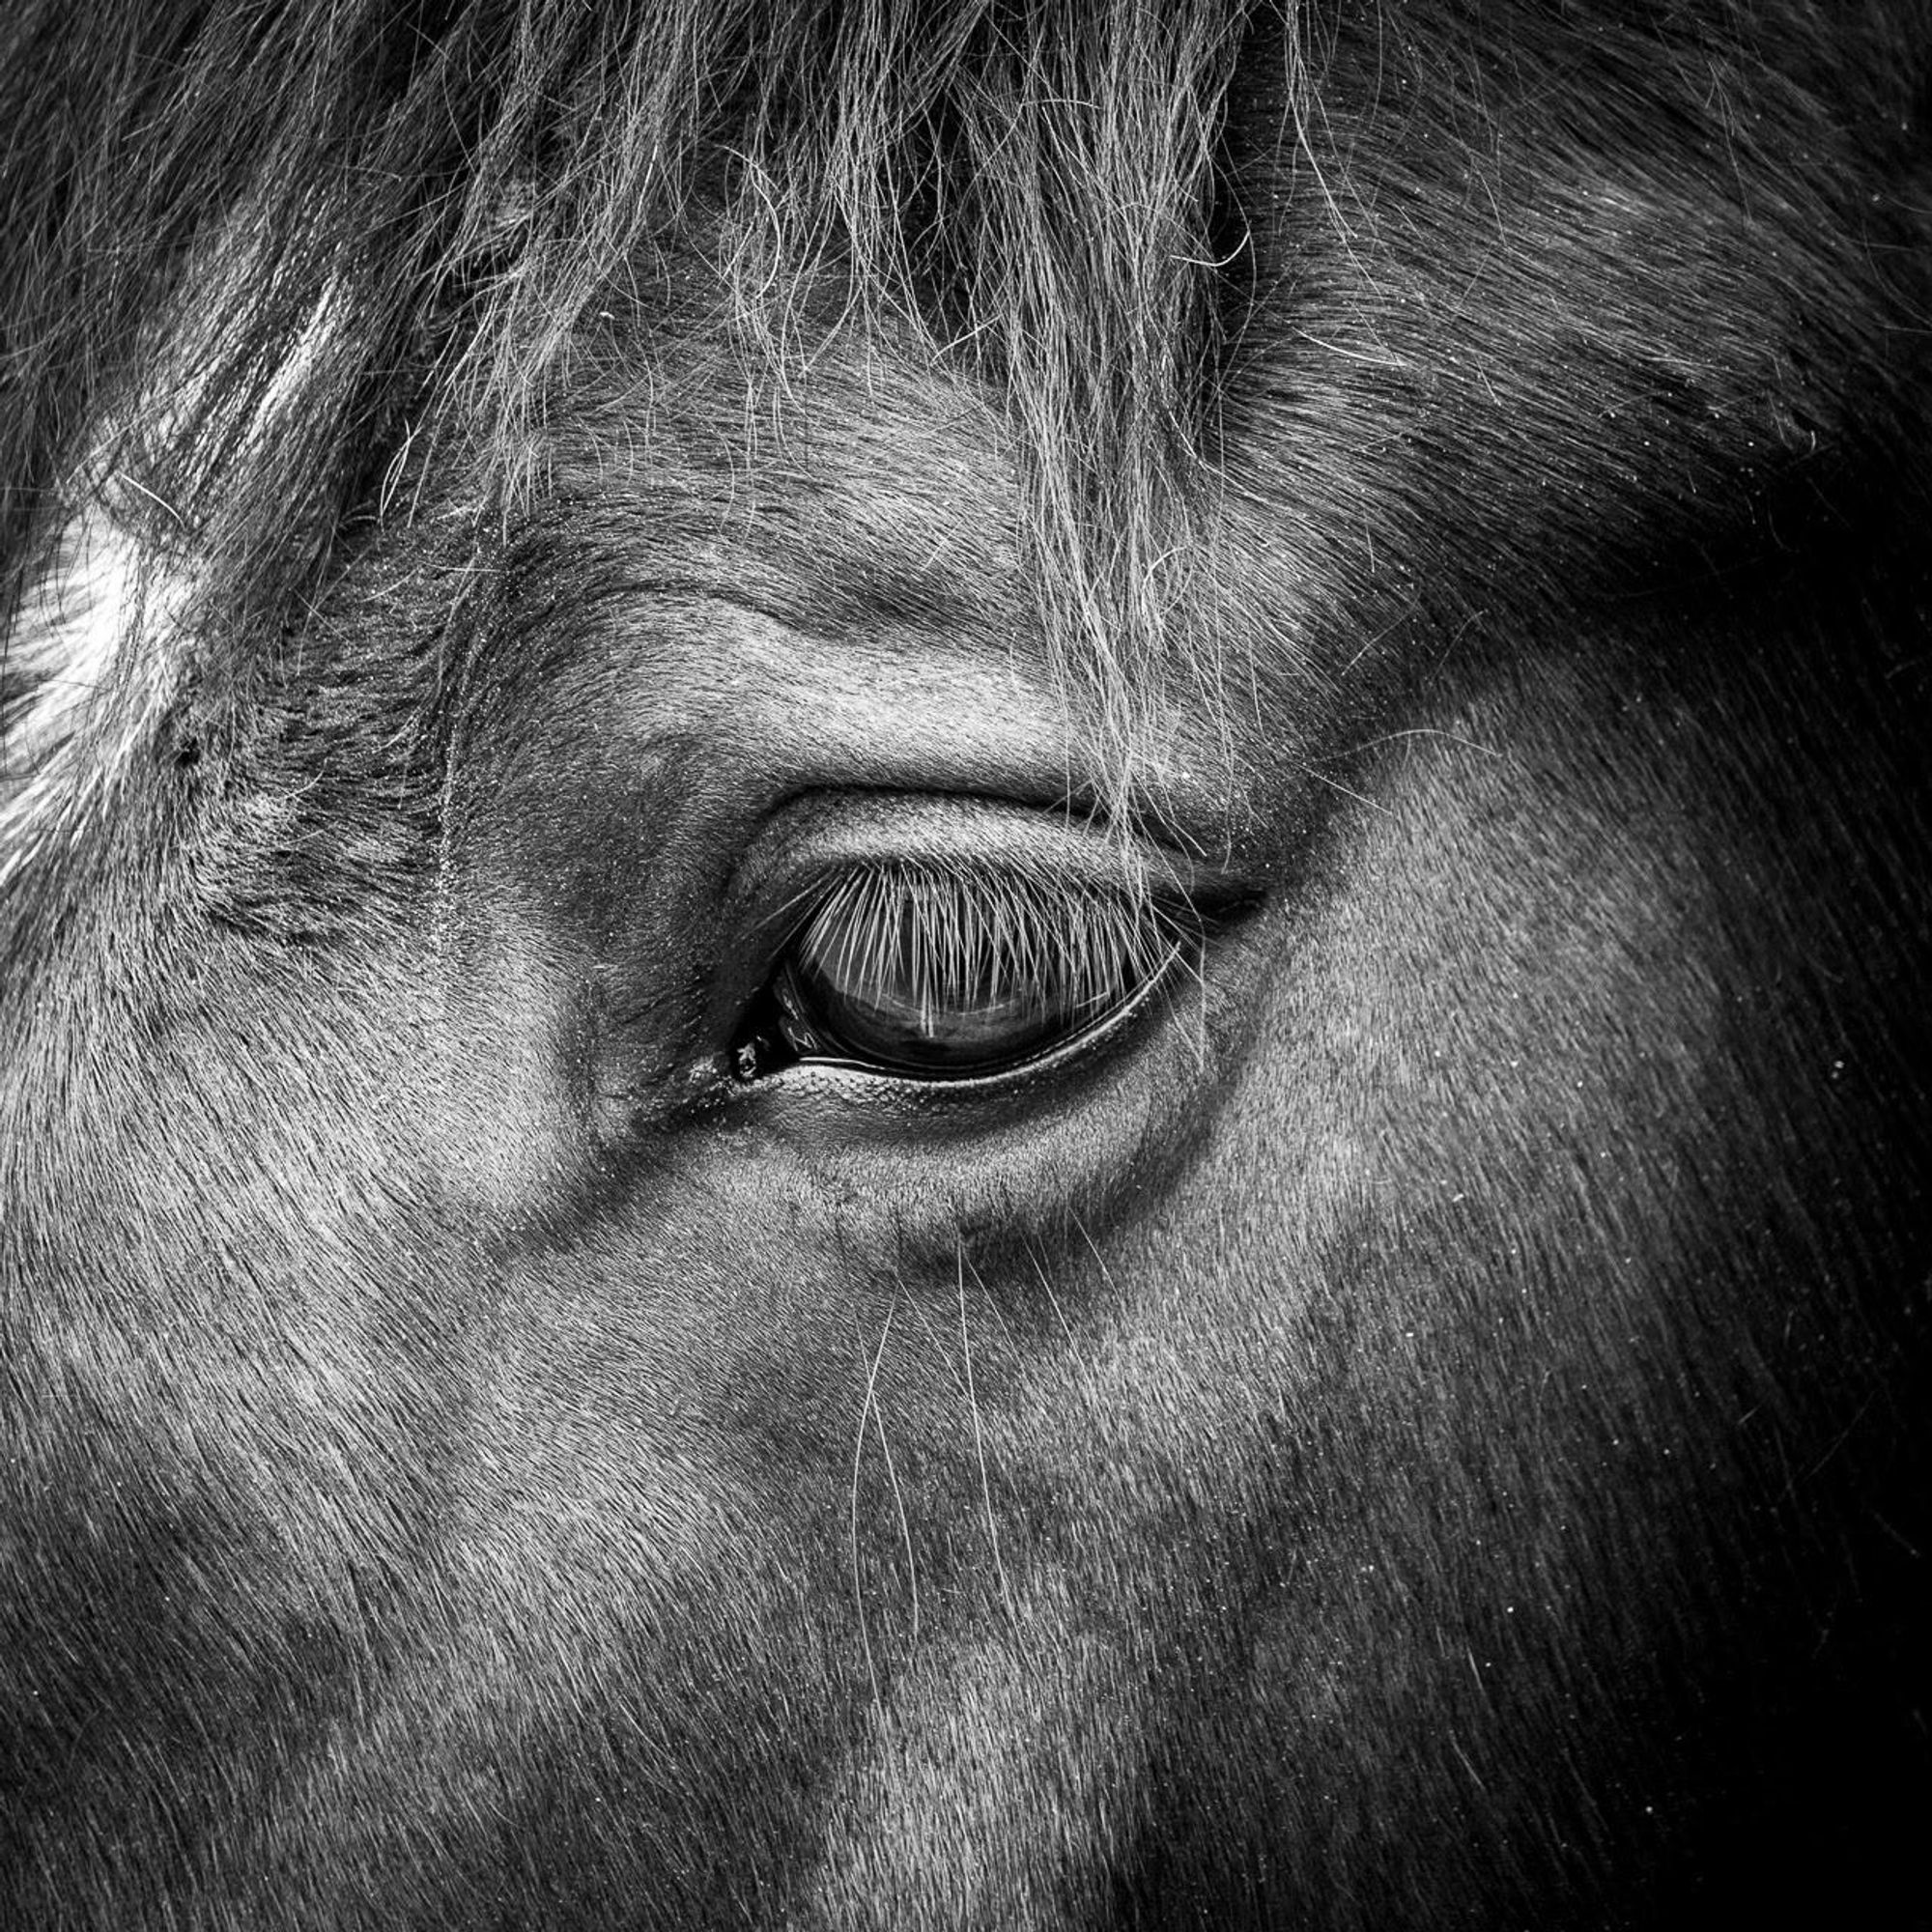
pixel 99 647
pixel 95 649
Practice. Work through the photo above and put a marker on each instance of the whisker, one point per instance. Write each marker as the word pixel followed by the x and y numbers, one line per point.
pixel 1093 1246
pixel 979 1440
pixel 1424 731
pixel 1335 784
pixel 858 1453
pixel 1052 1299
pixel 893 1477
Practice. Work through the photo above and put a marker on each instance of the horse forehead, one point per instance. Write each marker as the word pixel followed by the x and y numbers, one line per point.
pixel 864 490
pixel 791 561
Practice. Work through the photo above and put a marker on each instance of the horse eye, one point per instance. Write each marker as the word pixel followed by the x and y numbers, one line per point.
pixel 909 972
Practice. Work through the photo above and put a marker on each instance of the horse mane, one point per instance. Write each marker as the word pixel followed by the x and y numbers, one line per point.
pixel 355 220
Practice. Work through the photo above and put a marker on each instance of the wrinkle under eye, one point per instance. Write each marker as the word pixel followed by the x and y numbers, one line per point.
pixel 925 973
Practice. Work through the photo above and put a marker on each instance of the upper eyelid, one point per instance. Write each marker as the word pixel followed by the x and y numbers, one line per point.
pixel 1128 914
pixel 966 1086
pixel 817 837
pixel 1143 934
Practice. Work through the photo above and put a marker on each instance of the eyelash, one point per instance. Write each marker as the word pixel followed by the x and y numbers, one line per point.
pixel 928 972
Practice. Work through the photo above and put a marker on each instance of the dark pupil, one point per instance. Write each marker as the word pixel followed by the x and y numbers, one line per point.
pixel 904 984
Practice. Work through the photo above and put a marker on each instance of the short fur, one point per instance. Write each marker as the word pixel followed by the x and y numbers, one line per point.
pixel 1421 1424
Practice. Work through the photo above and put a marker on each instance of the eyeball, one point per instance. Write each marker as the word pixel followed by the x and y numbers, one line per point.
pixel 922 974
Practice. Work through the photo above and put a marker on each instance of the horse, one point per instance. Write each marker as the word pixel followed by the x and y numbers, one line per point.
pixel 963 964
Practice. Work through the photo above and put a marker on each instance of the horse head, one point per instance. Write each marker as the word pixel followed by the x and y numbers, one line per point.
pixel 963 966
